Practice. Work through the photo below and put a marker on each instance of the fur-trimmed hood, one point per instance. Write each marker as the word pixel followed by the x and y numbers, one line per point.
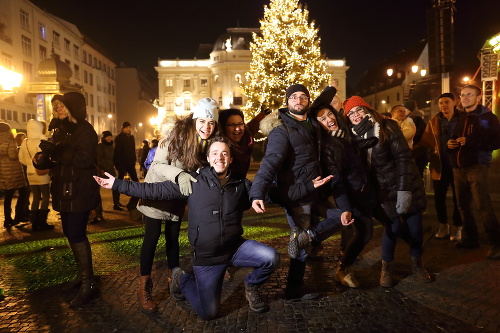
pixel 270 122
pixel 168 124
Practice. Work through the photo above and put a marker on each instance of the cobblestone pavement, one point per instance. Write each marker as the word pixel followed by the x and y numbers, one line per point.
pixel 463 297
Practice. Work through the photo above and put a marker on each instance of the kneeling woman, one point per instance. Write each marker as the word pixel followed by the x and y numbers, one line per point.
pixel 398 184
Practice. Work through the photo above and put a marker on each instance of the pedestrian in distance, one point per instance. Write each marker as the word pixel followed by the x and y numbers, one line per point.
pixel 214 233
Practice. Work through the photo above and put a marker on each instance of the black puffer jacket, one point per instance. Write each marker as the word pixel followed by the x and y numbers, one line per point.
pixel 291 159
pixel 393 169
pixel 215 212
pixel 124 155
pixel 73 187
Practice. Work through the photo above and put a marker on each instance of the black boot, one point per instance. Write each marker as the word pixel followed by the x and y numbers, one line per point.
pixel 8 221
pixel 295 281
pixel 42 220
pixel 88 289
pixel 35 221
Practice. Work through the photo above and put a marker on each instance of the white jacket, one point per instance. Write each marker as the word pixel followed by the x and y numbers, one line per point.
pixel 29 147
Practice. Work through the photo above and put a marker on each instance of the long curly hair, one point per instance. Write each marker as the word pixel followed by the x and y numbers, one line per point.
pixel 182 144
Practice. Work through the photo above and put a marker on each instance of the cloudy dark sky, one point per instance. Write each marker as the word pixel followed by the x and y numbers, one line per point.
pixel 364 32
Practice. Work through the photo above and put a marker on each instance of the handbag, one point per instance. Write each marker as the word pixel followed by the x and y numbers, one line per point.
pixel 38 172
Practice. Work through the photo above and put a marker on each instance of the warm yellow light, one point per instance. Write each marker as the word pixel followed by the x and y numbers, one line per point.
pixel 383 101
pixel 414 68
pixel 140 124
pixel 110 116
pixel 423 72
pixel 466 79
pixel 9 79
pixel 390 71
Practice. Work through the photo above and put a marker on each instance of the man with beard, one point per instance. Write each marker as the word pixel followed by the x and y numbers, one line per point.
pixel 292 160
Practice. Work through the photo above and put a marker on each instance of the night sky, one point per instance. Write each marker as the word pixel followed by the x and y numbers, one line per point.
pixel 364 32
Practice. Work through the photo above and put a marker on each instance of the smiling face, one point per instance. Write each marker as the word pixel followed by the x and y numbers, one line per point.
pixel 470 99
pixel 356 114
pixel 327 119
pixel 235 127
pixel 205 127
pixel 60 108
pixel 399 113
pixel 219 158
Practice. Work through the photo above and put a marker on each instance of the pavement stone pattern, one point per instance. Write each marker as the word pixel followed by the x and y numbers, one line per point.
pixel 463 297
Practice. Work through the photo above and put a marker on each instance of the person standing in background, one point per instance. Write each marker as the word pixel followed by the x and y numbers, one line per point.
pixel 144 154
pixel 419 153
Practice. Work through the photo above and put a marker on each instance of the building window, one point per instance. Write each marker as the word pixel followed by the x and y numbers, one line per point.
pixel 77 72
pixel 86 99
pixel 56 38
pixel 216 78
pixel 187 104
pixel 42 31
pixel 25 20
pixel 187 83
pixel 91 99
pixel 14 116
pixel 9 115
pixel 6 60
pixel 27 71
pixel 100 65
pixel 67 62
pixel 91 79
pixel 66 45
pixel 42 52
pixel 397 97
pixel 204 82
pixel 85 77
pixel 76 52
pixel 169 83
pixel 95 62
pixel 388 100
pixel 2 114
pixel 169 106
pixel 26 42
pixel 84 56
pixel 89 62
pixel 237 100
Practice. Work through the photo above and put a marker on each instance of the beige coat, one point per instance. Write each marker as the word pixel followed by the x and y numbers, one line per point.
pixel 29 148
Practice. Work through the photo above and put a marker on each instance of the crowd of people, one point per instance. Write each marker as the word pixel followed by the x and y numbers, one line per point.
pixel 332 166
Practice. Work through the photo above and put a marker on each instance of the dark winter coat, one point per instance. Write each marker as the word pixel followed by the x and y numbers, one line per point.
pixel 124 156
pixel 393 169
pixel 291 159
pixel 73 187
pixel 215 212
pixel 105 153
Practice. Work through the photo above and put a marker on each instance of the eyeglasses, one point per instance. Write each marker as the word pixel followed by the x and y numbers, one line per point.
pixel 357 111
pixel 467 95
pixel 236 125
pixel 302 97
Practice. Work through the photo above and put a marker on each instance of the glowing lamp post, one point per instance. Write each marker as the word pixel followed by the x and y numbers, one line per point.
pixel 407 73
pixel 10 81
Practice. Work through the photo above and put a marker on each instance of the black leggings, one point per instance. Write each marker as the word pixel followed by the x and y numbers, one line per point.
pixel 151 235
pixel 74 226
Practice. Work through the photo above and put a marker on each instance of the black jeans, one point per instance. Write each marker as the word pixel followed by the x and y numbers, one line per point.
pixel 440 190
pixel 130 169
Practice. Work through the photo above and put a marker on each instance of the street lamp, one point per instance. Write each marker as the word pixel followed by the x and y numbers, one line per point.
pixel 407 74
pixel 9 82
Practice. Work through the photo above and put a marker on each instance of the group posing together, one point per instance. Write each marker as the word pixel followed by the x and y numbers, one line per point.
pixel 314 153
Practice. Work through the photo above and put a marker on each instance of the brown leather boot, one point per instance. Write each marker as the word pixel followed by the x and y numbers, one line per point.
pixel 144 294
pixel 386 274
pixel 420 273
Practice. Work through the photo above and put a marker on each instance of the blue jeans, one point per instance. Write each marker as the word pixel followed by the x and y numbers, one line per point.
pixel 471 185
pixel 408 227
pixel 203 290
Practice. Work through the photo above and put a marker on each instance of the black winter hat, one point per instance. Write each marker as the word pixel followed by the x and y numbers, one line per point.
pixel 296 87
pixel 105 134
pixel 449 95
pixel 75 103
pixel 410 105
pixel 126 124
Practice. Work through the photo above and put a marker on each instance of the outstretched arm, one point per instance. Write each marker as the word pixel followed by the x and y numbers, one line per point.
pixel 105 182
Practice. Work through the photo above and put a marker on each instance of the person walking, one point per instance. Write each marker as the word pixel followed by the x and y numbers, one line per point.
pixel 38 180
pixel 11 177
pixel 124 159
pixel 72 157
pixel 435 139
pixel 399 186
pixel 215 235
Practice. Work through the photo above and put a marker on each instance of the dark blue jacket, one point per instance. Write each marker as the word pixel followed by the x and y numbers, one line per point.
pixel 215 212
pixel 291 160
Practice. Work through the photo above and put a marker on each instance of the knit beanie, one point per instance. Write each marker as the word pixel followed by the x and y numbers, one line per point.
pixel 410 105
pixel 75 103
pixel 105 134
pixel 296 87
pixel 353 102
pixel 125 124
pixel 56 98
pixel 206 108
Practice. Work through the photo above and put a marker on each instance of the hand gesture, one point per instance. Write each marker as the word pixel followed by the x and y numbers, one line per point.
pixel 105 182
pixel 258 206
pixel 317 182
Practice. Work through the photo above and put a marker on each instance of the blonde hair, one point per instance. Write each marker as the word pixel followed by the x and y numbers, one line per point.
pixel 55 104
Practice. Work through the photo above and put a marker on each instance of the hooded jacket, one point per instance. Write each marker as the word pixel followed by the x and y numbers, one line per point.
pixel 215 212
pixel 11 170
pixel 29 148
pixel 105 153
pixel 291 159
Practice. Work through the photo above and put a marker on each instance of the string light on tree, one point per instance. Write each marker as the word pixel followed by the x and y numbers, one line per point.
pixel 287 52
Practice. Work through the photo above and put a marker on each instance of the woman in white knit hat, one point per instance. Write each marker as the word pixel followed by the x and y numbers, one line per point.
pixel 181 151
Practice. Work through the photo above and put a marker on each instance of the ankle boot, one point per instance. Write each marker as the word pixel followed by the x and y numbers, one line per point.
pixel 42 220
pixel 386 274
pixel 34 221
pixel 144 294
pixel 253 297
pixel 420 273
pixel 88 289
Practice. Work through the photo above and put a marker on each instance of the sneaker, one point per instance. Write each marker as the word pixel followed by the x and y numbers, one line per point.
pixel 345 276
pixel 456 234
pixel 494 253
pixel 443 232
pixel 175 286
pixel 253 297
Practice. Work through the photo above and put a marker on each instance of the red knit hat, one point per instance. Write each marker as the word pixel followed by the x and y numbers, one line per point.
pixel 352 102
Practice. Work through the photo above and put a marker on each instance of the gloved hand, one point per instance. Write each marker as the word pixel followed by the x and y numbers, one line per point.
pixel 184 180
pixel 47 147
pixel 403 202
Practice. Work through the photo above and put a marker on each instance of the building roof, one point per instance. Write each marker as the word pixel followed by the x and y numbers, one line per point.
pixel 235 39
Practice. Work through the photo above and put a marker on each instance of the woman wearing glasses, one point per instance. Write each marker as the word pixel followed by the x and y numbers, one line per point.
pixel 397 181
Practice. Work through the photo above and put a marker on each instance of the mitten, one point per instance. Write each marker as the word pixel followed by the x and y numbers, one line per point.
pixel 403 202
pixel 184 180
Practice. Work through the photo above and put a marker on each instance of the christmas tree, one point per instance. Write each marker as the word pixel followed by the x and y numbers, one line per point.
pixel 286 52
